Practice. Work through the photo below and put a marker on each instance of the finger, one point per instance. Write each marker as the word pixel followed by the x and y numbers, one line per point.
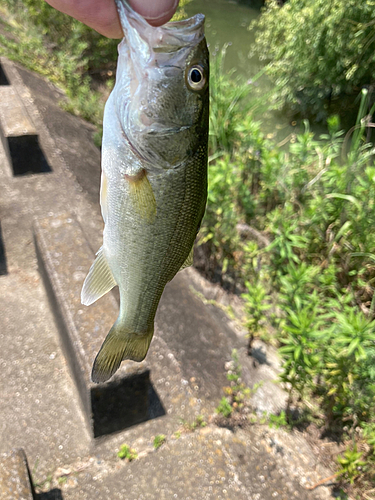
pixel 98 14
pixel 157 12
pixel 102 16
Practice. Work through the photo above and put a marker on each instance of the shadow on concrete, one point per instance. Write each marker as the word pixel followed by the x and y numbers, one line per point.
pixel 54 494
pixel 260 355
pixel 27 156
pixel 123 403
pixel 3 78
pixel 3 259
pixel 155 408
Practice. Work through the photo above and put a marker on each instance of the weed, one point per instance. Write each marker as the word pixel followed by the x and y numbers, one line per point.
pixel 351 464
pixel 198 422
pixel 237 393
pixel 125 452
pixel 224 408
pixel 313 201
pixel 301 67
pixel 41 484
pixel 159 440
pixel 255 308
pixel 277 421
pixel 62 480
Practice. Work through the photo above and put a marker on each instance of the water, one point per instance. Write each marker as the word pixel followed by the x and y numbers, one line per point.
pixel 228 22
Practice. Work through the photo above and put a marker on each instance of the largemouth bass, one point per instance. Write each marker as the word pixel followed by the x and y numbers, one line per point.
pixel 154 176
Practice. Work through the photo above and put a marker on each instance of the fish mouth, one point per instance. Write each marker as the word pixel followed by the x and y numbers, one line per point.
pixel 168 38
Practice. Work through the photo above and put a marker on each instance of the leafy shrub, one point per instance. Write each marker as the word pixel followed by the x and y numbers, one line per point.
pixel 317 51
pixel 313 201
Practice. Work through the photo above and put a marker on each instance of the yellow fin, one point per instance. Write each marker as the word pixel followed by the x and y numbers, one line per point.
pixel 189 261
pixel 142 196
pixel 120 344
pixel 99 280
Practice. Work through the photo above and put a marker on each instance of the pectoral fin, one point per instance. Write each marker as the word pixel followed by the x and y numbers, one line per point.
pixel 142 196
pixel 99 280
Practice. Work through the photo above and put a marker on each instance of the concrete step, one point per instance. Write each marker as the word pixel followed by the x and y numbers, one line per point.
pixel 15 480
pixel 18 134
pixel 64 258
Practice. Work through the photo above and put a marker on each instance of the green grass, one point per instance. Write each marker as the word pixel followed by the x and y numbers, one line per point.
pixel 125 452
pixel 159 440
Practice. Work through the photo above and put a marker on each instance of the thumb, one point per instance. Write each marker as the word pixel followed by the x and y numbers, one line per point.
pixel 156 12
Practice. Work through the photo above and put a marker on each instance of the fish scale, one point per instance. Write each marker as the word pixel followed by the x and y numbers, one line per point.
pixel 154 176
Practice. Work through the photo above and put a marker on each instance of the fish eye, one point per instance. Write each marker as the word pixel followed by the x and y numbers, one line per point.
pixel 196 79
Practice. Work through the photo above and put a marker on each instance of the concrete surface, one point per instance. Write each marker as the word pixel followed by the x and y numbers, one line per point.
pixel 39 407
pixel 210 464
pixel 14 119
pixel 19 136
pixel 15 481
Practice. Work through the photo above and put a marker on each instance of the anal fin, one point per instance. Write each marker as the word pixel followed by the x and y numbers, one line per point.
pixel 99 280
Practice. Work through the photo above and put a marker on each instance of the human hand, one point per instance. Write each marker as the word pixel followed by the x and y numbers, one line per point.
pixel 102 14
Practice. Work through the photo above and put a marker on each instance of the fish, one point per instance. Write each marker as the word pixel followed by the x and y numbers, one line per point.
pixel 154 176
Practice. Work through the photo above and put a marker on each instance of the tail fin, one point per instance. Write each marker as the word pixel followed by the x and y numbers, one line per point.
pixel 120 344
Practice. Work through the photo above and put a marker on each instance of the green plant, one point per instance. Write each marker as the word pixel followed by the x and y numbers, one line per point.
pixel 224 408
pixel 255 308
pixel 349 386
pixel 199 421
pixel 181 13
pixel 44 482
pixel 342 495
pixel 331 57
pixel 351 464
pixel 229 102
pixel 62 480
pixel 60 48
pixel 300 339
pixel 125 452
pixel 277 421
pixel 369 435
pixel 237 393
pixel 159 440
